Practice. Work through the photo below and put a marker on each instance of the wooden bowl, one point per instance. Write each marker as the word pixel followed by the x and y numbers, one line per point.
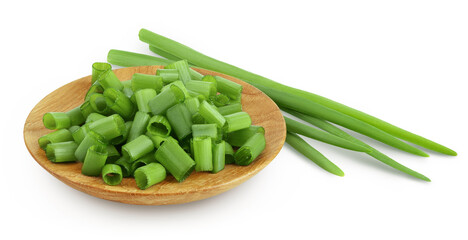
pixel 199 185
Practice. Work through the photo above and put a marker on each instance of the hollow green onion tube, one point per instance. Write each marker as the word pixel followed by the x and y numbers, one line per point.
pixel 127 83
pixel 119 103
pixel 99 104
pixel 72 129
pixel 206 89
pixel 95 88
pixel 198 119
pixel 86 109
pixel 159 140
pixel 228 153
pixel 180 119
pixel 112 154
pixel 311 153
pixel 79 134
pixel 163 53
pixel 205 130
pixel 202 153
pixel 182 68
pixel 163 71
pixel 61 152
pixel 125 165
pixel 144 81
pixel 237 121
pixel 56 120
pixel 260 82
pixel 94 161
pixel 210 114
pixel 109 127
pixel 248 152
pixel 142 98
pixel 230 109
pixel 94 117
pixel 108 80
pixel 220 100
pixel 219 156
pixel 166 99
pixel 180 85
pixel 158 125
pixel 195 75
pixel 130 59
pixel 238 138
pixel 143 161
pixel 229 88
pixel 112 174
pixel 140 122
pixel 122 138
pixel 137 148
pixel 91 139
pixel 168 75
pixel 340 133
pixel 99 68
pixel 76 117
pixel 175 159
pixel 317 134
pixel 62 135
pixel 192 105
pixel 149 175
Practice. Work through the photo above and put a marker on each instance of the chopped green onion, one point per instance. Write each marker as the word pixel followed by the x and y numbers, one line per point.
pixel 180 119
pixel 112 154
pixel 230 109
pixel 250 150
pixel 126 166
pixel 166 99
pixel 220 100
pixel 210 114
pixel 229 153
pixel 145 160
pixel 192 105
pixel 108 80
pixel 56 120
pixel 99 104
pixel 238 138
pixel 205 130
pixel 61 152
pixel 206 89
pixel 195 75
pixel 158 125
pixel 209 78
pixel 95 88
pixel 137 148
pixel 127 83
pixel 202 154
pixel 86 109
pixel 62 135
pixel 130 59
pixel 94 161
pixel 143 81
pixel 138 126
pixel 182 68
pixel 99 68
pixel 158 140
pixel 163 54
pixel 120 103
pixel 91 139
pixel 76 117
pixel 122 138
pixel 109 127
pixel 219 156
pixel 237 121
pixel 142 98
pixel 198 119
pixel 79 134
pixel 112 174
pixel 311 153
pixel 149 175
pixel 229 88
pixel 94 117
pixel 175 159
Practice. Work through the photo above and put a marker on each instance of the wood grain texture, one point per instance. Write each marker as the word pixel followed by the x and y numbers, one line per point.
pixel 199 185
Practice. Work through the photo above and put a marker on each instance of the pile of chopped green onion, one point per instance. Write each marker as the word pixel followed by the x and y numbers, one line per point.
pixel 174 121
pixel 319 111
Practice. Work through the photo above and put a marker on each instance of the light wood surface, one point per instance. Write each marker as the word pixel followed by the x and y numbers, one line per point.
pixel 199 185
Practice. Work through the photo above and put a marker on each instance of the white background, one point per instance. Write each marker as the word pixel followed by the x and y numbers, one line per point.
pixel 404 61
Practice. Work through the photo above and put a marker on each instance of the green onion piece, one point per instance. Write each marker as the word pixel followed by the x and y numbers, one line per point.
pixel 192 104
pixel 205 130
pixel 250 150
pixel 220 100
pixel 210 78
pixel 237 121
pixel 175 159
pixel 109 127
pixel 99 105
pixel 166 99
pixel 137 148
pixel 210 114
pixel 128 92
pixel 91 139
pixel 229 88
pixel 206 89
pixel 238 138
pixel 130 59
pixel 112 154
pixel 95 88
pixel 149 175
pixel 72 129
pixel 180 119
pixel 340 133
pixel 143 161
pixel 230 109
pixel 163 53
pixel 56 120
pixel 229 153
pixel 62 135
pixel 143 81
pixel 142 98
pixel 122 138
pixel 127 83
pixel 61 152
pixel 202 154
pixel 180 85
pixel 158 125
pixel 219 156
pixel 126 166
pixel 112 174
pixel 138 126
pixel 182 68
pixel 119 103
pixel 159 140
pixel 94 161
pixel 168 78
pixel 109 80
pixel 76 117
pixel 163 71
pixel 98 69
pixel 305 130
pixel 195 75
pixel 86 109
pixel 311 153
pixel 198 119
pixel 79 134
pixel 94 117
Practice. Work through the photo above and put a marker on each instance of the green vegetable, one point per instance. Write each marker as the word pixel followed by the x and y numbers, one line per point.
pixel 237 121
pixel 91 139
pixel 238 138
pixel 218 156
pixel 56 120
pixel 61 152
pixel 99 68
pixel 140 122
pixel 210 114
pixel 229 88
pixel 144 81
pixel 137 148
pixel 180 119
pixel 62 135
pixel 108 80
pixel 76 117
pixel 142 98
pixel 158 125
pixel 205 130
pixel 182 68
pixel 228 153
pixel 166 99
pixel 108 127
pixel 130 59
pixel 119 103
pixel 99 105
pixel 175 159
pixel 230 109
pixel 250 150
pixel 112 174
pixel 206 89
pixel 202 153
pixel 149 175
pixel 95 160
